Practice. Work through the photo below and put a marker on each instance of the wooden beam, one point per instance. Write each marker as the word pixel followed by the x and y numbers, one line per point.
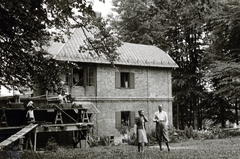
pixel 64 127
pixel 35 141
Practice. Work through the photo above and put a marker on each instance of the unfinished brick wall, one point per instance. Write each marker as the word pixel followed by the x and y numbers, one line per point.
pixel 106 118
pixel 149 82
pixel 152 87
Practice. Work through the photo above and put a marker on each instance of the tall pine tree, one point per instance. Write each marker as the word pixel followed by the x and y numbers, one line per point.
pixel 176 27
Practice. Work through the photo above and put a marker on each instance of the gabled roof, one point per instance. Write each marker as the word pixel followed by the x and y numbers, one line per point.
pixel 130 54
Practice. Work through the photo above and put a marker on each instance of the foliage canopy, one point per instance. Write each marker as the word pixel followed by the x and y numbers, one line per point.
pixel 26 28
pixel 203 39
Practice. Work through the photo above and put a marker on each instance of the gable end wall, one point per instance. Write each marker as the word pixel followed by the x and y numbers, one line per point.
pixel 152 87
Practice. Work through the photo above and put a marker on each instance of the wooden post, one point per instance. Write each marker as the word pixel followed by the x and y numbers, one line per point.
pixel 29 141
pixel 35 141
pixel 21 143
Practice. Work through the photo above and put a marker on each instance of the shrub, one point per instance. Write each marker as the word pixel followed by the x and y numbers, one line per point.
pixel 93 142
pixel 151 137
pixel 221 135
pixel 174 135
pixel 101 141
pixel 208 134
pixel 177 135
pixel 51 144
pixel 123 129
pixel 187 132
pixel 104 140
pixel 133 140
pixel 32 155
pixel 11 151
pixel 191 132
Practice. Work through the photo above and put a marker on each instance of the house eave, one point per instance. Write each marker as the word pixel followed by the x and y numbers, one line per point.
pixel 125 64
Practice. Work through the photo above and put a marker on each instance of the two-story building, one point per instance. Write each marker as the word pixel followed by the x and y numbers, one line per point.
pixel 141 80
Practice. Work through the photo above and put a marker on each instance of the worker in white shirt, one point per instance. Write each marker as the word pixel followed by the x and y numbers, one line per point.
pixel 30 113
pixel 161 119
pixel 62 98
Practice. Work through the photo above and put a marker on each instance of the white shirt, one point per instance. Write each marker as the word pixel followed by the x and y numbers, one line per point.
pixel 30 114
pixel 160 116
pixel 62 99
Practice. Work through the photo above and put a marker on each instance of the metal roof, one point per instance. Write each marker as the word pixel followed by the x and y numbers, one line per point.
pixel 130 54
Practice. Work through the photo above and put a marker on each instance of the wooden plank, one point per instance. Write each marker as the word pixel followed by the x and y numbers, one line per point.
pixel 230 129
pixel 63 127
pixel 18 135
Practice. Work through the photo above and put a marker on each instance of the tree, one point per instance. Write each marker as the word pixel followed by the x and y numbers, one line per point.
pixel 137 22
pixel 222 56
pixel 203 38
pixel 177 28
pixel 25 30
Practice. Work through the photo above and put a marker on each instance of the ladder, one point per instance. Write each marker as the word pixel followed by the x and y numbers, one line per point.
pixel 58 117
pixel 84 116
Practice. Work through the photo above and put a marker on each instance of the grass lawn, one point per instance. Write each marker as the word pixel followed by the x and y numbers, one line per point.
pixel 216 148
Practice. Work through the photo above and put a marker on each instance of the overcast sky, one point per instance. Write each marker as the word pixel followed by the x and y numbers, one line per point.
pixel 104 8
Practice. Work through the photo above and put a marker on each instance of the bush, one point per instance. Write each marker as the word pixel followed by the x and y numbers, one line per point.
pixel 123 129
pixel 191 132
pixel 133 140
pixel 32 155
pixel 104 140
pixel 10 151
pixel 187 132
pixel 174 135
pixel 51 145
pixel 222 135
pixel 151 137
pixel 94 142
pixel 101 141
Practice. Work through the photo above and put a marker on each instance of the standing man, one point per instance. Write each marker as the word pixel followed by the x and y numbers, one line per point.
pixel 30 113
pixel 62 99
pixel 161 119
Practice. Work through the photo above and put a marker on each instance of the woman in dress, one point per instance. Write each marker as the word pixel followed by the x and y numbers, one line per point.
pixel 141 130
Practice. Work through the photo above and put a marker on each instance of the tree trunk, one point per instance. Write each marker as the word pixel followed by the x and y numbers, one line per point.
pixel 177 116
pixel 182 118
pixel 222 116
pixel 236 112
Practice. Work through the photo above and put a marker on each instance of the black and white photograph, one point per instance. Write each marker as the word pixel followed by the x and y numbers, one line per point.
pixel 119 79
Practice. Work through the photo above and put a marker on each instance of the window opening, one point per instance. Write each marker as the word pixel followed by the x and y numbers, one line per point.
pixel 78 77
pixel 125 116
pixel 83 77
pixel 124 79
pixel 89 76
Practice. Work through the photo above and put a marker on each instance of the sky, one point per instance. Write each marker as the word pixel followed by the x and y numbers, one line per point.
pixel 104 8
